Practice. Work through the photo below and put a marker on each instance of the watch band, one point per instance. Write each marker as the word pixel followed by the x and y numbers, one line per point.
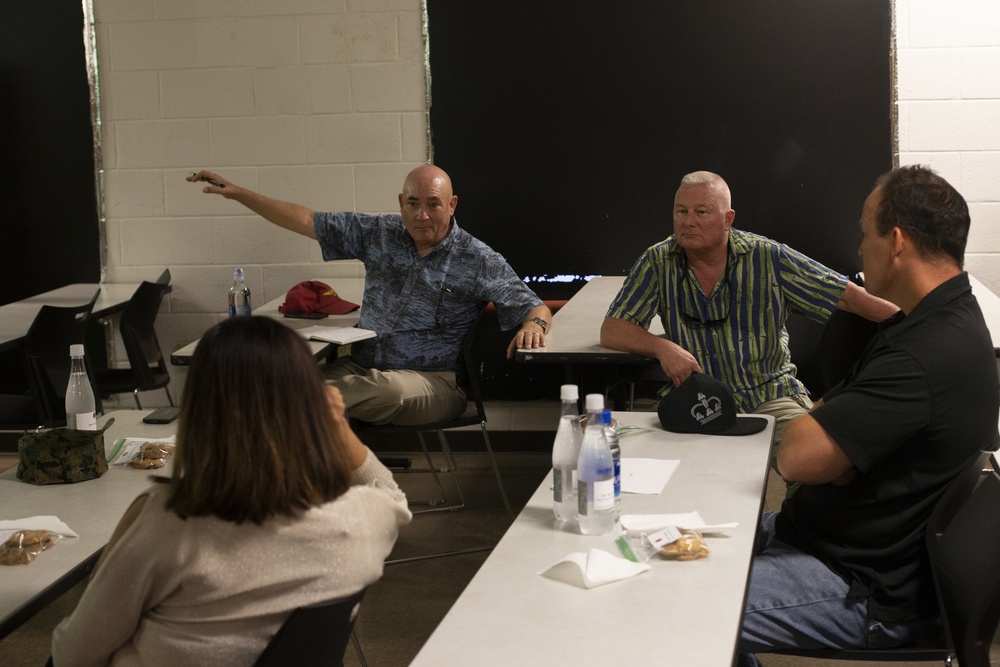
pixel 542 323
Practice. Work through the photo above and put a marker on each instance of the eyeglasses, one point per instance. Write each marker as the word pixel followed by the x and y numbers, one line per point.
pixel 689 306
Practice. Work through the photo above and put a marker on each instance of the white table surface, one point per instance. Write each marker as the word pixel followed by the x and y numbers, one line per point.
pixel 576 327
pixel 989 303
pixel 679 613
pixel 350 289
pixel 16 318
pixel 92 509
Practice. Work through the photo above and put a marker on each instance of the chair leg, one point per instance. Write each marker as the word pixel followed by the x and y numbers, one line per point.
pixel 438 505
pixel 135 396
pixel 437 480
pixel 357 648
pixel 446 450
pixel 169 397
pixel 496 469
pixel 452 467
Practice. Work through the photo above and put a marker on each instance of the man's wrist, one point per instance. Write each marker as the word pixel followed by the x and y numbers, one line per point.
pixel 539 321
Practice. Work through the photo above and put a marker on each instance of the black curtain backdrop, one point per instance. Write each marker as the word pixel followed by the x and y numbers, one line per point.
pixel 49 234
pixel 566 125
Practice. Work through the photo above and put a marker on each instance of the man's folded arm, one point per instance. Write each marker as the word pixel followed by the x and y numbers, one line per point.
pixel 809 455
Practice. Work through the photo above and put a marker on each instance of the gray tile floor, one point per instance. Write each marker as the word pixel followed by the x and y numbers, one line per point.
pixel 403 608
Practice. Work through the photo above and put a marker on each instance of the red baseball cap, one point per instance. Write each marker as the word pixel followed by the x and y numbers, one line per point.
pixel 313 296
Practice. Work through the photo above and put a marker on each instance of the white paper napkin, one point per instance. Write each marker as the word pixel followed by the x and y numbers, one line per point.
pixel 687 521
pixel 41 522
pixel 595 568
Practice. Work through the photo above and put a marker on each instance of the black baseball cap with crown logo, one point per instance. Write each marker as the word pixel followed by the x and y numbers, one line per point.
pixel 702 404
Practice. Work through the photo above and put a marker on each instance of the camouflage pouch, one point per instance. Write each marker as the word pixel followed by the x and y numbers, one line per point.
pixel 62 455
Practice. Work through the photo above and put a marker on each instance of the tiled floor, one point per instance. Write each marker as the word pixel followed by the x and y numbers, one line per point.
pixel 403 608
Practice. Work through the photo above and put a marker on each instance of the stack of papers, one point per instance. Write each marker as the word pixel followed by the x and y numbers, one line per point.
pixel 337 335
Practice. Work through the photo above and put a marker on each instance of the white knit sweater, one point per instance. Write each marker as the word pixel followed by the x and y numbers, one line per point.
pixel 209 592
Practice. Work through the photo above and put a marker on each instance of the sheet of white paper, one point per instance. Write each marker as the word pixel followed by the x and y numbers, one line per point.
pixel 595 568
pixel 338 335
pixel 646 476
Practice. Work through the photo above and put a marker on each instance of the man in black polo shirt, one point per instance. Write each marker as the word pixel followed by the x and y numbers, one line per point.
pixel 843 564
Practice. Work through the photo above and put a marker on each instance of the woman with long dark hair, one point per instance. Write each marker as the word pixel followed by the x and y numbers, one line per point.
pixel 274 503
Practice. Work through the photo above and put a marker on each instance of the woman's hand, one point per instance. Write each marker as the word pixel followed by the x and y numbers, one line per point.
pixel 356 449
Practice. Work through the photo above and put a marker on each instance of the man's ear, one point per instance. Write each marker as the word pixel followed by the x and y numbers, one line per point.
pixel 900 241
pixel 454 203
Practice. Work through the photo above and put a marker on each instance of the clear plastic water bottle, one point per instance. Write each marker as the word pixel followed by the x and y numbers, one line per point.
pixel 565 453
pixel 81 408
pixel 611 435
pixel 596 472
pixel 239 295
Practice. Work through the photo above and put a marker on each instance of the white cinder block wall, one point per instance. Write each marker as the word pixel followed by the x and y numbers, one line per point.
pixel 323 102
pixel 948 66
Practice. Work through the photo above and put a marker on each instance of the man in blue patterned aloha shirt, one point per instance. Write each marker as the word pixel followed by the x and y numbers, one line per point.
pixel 425 281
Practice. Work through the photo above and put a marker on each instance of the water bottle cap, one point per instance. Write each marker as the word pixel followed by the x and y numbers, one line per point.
pixel 76 350
pixel 607 416
pixel 238 273
pixel 595 402
pixel 569 392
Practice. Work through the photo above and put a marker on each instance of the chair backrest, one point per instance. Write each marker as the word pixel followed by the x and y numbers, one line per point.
pixel 803 344
pixel 843 340
pixel 46 354
pixel 963 543
pixel 138 332
pixel 314 635
pixel 468 371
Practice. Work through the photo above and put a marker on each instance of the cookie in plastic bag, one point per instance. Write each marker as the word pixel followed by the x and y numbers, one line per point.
pixel 21 546
pixel 686 547
pixel 152 455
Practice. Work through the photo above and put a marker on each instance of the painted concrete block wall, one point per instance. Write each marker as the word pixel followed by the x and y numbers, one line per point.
pixel 948 66
pixel 322 102
pixel 318 102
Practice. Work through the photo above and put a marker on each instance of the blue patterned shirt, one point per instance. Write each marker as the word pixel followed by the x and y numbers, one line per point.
pixel 421 307
pixel 736 333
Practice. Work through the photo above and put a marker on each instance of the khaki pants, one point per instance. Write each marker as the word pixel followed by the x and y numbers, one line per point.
pixel 401 397
pixel 784 410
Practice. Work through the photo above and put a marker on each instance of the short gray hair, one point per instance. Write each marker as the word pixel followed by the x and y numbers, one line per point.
pixel 702 178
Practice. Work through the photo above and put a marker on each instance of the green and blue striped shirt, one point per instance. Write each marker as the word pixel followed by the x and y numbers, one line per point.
pixel 737 333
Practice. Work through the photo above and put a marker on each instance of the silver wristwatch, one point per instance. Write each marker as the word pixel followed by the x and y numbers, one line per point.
pixel 540 322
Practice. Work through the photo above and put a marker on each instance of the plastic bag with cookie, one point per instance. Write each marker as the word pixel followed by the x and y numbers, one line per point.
pixel 20 547
pixel 152 455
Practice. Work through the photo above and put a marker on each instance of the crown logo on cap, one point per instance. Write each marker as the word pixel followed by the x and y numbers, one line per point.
pixel 706 409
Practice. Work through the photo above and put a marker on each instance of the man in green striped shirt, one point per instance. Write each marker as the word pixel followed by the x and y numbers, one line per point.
pixel 723 297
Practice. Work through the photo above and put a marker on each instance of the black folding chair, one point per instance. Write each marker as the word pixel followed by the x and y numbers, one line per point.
pixel 147 366
pixel 475 415
pixel 963 543
pixel 47 363
pixel 315 635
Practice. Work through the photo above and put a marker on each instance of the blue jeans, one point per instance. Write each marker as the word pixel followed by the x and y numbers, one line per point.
pixel 795 601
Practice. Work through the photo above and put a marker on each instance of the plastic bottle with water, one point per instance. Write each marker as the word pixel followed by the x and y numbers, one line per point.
pixel 239 295
pixel 596 474
pixel 616 455
pixel 565 453
pixel 81 410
